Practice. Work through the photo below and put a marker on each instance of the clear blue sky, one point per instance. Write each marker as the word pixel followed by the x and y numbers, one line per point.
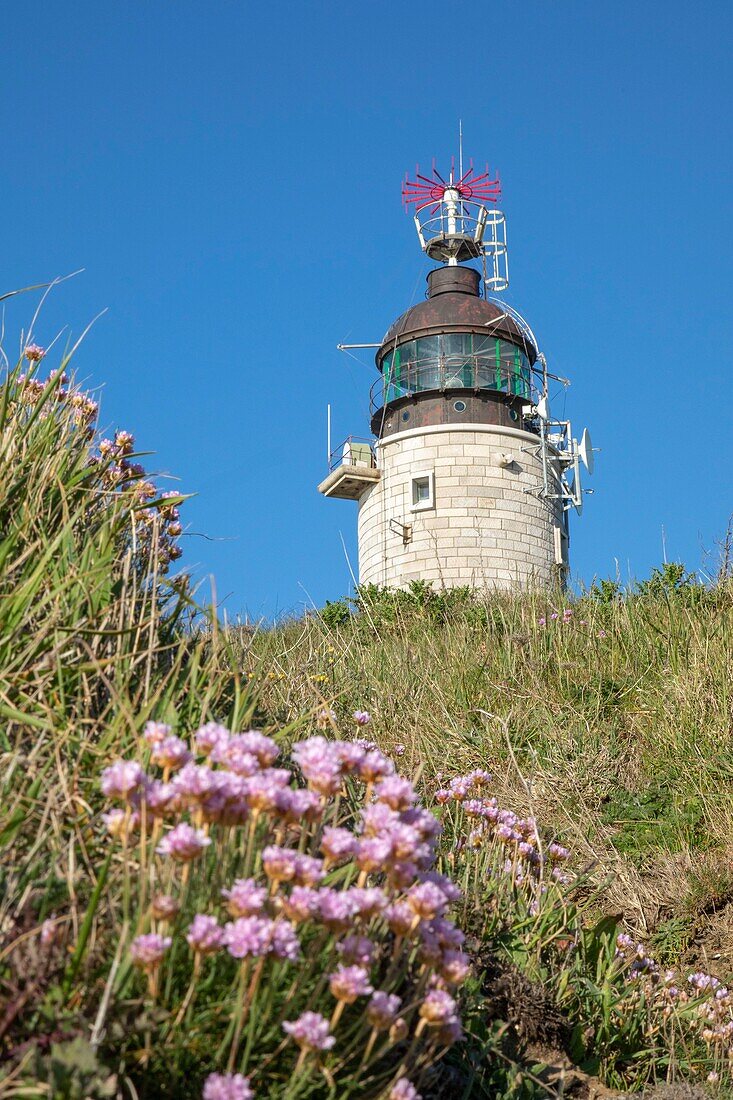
pixel 228 175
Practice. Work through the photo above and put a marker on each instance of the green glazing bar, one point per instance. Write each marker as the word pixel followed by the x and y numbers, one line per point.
pixel 517 371
pixel 498 365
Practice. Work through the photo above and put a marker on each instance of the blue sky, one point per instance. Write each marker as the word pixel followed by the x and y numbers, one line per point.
pixel 228 176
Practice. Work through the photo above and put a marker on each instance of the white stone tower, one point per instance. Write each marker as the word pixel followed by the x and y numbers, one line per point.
pixel 468 480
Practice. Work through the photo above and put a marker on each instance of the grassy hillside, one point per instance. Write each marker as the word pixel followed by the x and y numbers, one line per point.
pixel 429 845
pixel 611 722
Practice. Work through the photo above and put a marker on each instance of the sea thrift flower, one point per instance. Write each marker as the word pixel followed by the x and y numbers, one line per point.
pixel 337 843
pixel 280 864
pixel 123 779
pixel 400 917
pixel 368 900
pixel 373 853
pixel 211 736
pixel 308 871
pixel 227 1086
pixel 147 951
pixel 164 907
pixel 399 749
pixel 335 909
pixel 396 792
pixel 284 944
pixel 160 797
pixel 437 1007
pixel 183 843
pixel 248 937
pixel 427 900
pixel 319 764
pixel 404 1090
pixel 362 717
pixel 245 897
pixel 204 934
pixel 310 1031
pixel 356 950
pixel 261 746
pixel 34 353
pixel 454 967
pixel 300 904
pixel 170 753
pixel 382 1010
pixel 155 732
pixel 120 823
pixel 375 765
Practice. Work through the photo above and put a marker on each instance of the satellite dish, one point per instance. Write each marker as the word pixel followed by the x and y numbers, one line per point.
pixel 585 451
pixel 543 408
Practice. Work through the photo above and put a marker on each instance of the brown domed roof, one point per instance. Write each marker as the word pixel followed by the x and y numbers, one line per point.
pixel 453 305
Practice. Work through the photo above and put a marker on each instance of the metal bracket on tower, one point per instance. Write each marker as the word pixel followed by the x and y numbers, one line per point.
pixel 404 530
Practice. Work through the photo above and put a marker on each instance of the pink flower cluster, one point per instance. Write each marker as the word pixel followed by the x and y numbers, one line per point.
pixel 701 997
pixel 526 858
pixel 368 883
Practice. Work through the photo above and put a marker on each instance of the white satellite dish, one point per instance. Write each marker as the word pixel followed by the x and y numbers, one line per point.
pixel 585 451
pixel 543 408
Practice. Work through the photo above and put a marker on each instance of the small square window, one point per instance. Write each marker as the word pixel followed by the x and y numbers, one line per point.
pixel 422 492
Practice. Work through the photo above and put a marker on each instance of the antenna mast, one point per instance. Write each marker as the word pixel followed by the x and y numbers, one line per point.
pixel 454 222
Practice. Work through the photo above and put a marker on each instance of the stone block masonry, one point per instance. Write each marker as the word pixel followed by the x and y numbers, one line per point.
pixel 485 527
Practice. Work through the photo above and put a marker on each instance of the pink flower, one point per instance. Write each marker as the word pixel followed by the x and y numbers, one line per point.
pixel 300 904
pixel 235 754
pixel 161 797
pixel 155 732
pixel 373 853
pixel 311 1031
pixel 227 1086
pixel 349 982
pixel 356 950
pixel 379 818
pixel 245 897
pixel 437 1007
pixel 147 951
pixel 248 937
pixel 308 870
pixel 194 782
pixel 382 1010
pixel 319 763
pixel 404 1090
pixel 335 909
pixel 170 753
pixel 262 791
pixel 124 779
pixel 375 765
pixel 400 917
pixel 284 943
pixel 164 907
pixel 454 967
pixel 396 792
pixel 120 823
pixel 427 900
pixel 204 934
pixel 183 843
pixel 362 717
pixel 399 749
pixel 337 843
pixel 280 864
pixel 34 353
pixel 262 747
pixel 211 736
pixel 368 900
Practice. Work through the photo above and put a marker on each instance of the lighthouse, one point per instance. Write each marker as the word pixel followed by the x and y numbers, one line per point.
pixel 466 478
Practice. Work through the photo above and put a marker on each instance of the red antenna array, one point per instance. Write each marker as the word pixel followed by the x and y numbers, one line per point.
pixel 424 191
